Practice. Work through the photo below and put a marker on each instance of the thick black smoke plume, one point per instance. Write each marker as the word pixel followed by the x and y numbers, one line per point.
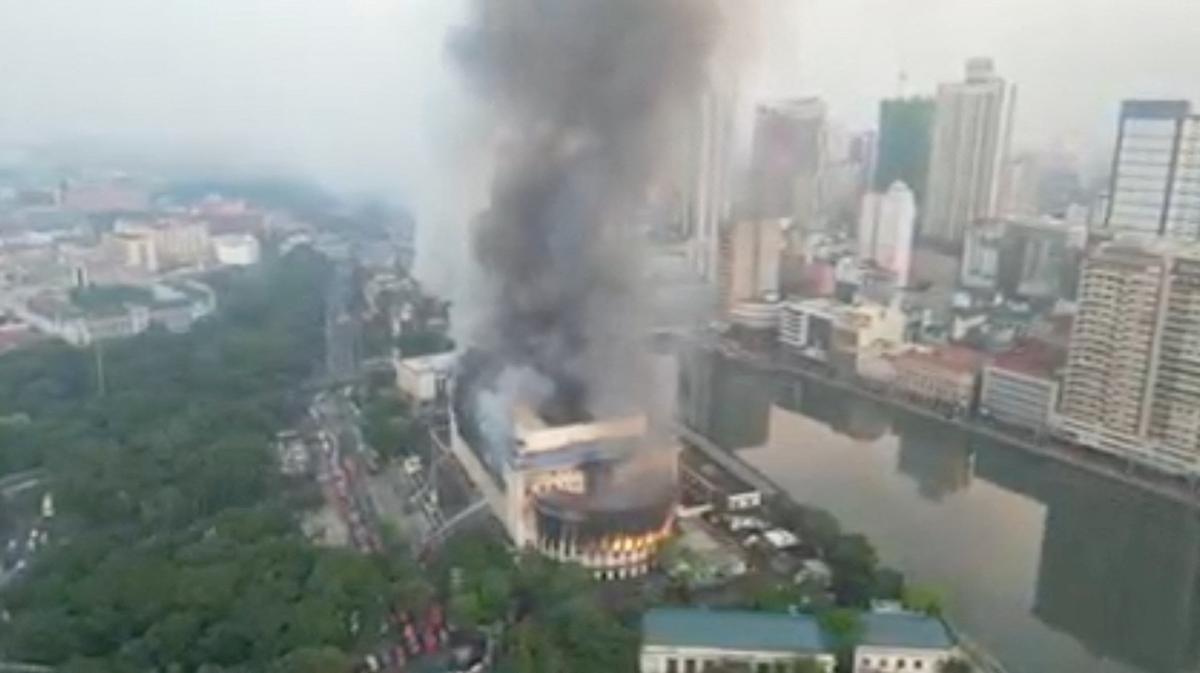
pixel 584 92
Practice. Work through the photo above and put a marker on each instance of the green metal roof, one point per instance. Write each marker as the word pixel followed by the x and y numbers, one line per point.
pixel 734 630
pixel 905 629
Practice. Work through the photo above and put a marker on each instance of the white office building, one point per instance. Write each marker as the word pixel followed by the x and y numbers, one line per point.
pixel 1155 184
pixel 885 229
pixel 970 147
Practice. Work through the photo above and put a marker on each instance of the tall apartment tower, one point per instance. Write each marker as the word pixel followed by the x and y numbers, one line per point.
pixel 1155 184
pixel 751 251
pixel 1132 382
pixel 885 229
pixel 706 184
pixel 971 132
pixel 787 160
pixel 905 139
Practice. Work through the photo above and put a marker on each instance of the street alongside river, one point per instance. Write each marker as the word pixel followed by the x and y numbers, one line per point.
pixel 1052 568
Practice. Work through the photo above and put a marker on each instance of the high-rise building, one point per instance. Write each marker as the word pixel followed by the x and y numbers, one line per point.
pixel 885 229
pixel 970 147
pixel 1155 183
pixel 1026 257
pixel 706 184
pixel 751 251
pixel 788 156
pixel 905 137
pixel 1132 382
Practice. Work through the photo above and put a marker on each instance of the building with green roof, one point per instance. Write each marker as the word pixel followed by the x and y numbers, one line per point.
pixel 676 640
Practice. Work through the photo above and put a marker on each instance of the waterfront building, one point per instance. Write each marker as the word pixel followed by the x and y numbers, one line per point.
pixel 895 641
pixel 1020 387
pixel 944 375
pixel 1132 382
pixel 692 640
pixel 843 335
pixel 885 230
pixel 1155 183
pixel 970 147
pixel 905 137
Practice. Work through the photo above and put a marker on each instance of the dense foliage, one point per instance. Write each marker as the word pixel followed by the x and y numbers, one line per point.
pixel 178 548
pixel 548 615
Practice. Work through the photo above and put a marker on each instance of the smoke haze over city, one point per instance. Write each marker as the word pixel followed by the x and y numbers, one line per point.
pixel 357 92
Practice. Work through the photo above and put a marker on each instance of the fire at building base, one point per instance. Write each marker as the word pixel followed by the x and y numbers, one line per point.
pixel 600 493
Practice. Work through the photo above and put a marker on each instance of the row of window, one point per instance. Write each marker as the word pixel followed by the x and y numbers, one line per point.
pixel 886 664
pixel 701 665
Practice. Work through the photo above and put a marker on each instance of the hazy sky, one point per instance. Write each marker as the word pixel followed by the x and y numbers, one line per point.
pixel 357 91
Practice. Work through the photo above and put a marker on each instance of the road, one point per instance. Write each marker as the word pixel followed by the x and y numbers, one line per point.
pixel 365 497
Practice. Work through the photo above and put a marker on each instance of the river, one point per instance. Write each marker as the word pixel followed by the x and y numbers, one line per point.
pixel 1053 569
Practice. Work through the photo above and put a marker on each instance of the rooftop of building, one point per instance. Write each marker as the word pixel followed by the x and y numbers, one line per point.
pixel 955 358
pixel 1031 357
pixel 733 630
pixel 906 630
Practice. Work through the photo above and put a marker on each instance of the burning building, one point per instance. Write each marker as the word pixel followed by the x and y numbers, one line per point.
pixel 551 402
pixel 600 493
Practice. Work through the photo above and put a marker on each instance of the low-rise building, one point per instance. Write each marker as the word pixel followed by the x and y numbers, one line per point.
pixel 693 640
pixel 99 313
pixel 425 381
pixel 944 375
pixel 902 642
pixel 236 249
pixel 840 334
pixel 156 244
pixel 1020 387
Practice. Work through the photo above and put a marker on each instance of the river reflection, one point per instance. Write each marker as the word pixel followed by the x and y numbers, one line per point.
pixel 1052 568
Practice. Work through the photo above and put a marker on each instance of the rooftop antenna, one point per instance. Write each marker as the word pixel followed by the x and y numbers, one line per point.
pixel 901 84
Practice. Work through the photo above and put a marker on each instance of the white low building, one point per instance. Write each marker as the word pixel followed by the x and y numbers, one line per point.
pixel 236 249
pixel 695 640
pixel 903 642
pixel 424 380
pixel 830 331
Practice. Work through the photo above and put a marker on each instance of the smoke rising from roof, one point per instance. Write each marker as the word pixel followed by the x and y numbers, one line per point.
pixel 584 94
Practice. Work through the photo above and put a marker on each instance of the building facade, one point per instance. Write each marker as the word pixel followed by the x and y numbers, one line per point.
pixel 706 183
pixel 970 147
pixel 944 375
pixel 694 640
pixel 1132 382
pixel 1026 257
pixel 1155 183
pixel 903 642
pixel 842 335
pixel 1020 387
pixel 751 251
pixel 885 229
pixel 905 139
pixel 789 150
